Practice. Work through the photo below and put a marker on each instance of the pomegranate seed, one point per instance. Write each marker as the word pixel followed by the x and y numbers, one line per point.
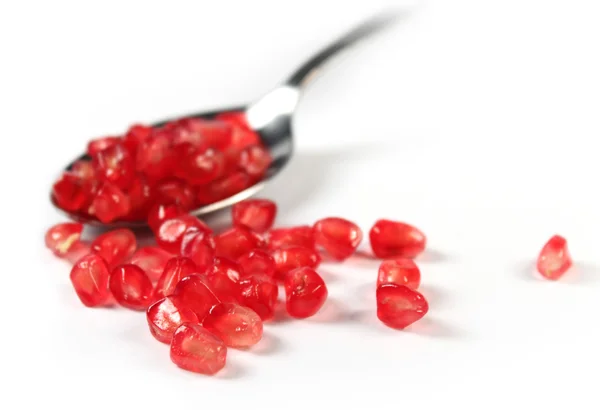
pixel 235 118
pixel 100 144
pixel 288 259
pixel 61 238
pixel 201 167
pixel 141 198
pixel 154 157
pixel 339 237
pixel 131 287
pixel 115 247
pixel 83 169
pixel 170 233
pixel 194 292
pixel 223 278
pixel 71 192
pixel 223 188
pixel 89 277
pixel 257 262
pixel 151 260
pixel 554 259
pixel 199 246
pixel 175 270
pixel 136 134
pixel 203 133
pixel 255 214
pixel 259 293
pixel 166 315
pixel 115 165
pixel 305 292
pixel 175 192
pixel 399 306
pixel 197 350
pixel 110 203
pixel 391 239
pixel 236 242
pixel 236 325
pixel 255 161
pixel 242 136
pixel 295 236
pixel 400 272
pixel 160 213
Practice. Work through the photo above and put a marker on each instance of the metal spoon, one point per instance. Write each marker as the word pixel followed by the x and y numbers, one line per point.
pixel 270 117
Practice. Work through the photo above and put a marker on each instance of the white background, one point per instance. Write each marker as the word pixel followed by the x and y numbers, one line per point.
pixel 475 120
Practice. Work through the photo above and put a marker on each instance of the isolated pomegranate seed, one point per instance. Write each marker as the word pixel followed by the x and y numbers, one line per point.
pixel 170 233
pixel 160 213
pixel 131 287
pixel 235 325
pixel 110 203
pixel 141 197
pixel 115 165
pixel 100 144
pixel 199 246
pixel 61 238
pixel 305 292
pixel 89 277
pixel 259 293
pixel 175 270
pixel 223 188
pixel 166 315
pixel 400 272
pixel 255 214
pixel 83 169
pixel 255 161
pixel 235 242
pixel 193 291
pixel 151 260
pixel 176 192
pixel 288 259
pixel 257 262
pixel 391 239
pixel 201 166
pixel 339 237
pixel 399 306
pixel 295 236
pixel 136 134
pixel 554 259
pixel 223 278
pixel 71 192
pixel 154 157
pixel 195 349
pixel 115 247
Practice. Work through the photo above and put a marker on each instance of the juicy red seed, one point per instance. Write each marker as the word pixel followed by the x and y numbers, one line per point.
pixel 78 251
pixel 255 214
pixel 100 144
pixel 236 325
pixel 259 293
pixel 199 246
pixel 176 192
pixel 223 278
pixel 195 349
pixel 400 272
pixel 171 232
pixel 193 292
pixel 202 133
pixel 160 213
pixel 201 167
pixel 175 270
pixel 83 169
pixel 62 238
pixel 554 259
pixel 399 306
pixel 235 242
pixel 235 117
pixel 89 277
pixel 223 188
pixel 305 292
pixel 339 237
pixel 110 203
pixel 136 134
pixel 288 259
pixel 115 165
pixel 131 287
pixel 151 260
pixel 71 192
pixel 154 157
pixel 141 198
pixel 166 315
pixel 295 236
pixel 255 161
pixel 115 247
pixel 391 239
pixel 242 136
pixel 257 262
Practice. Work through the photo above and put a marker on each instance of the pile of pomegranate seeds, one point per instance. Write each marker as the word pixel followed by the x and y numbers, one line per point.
pixel 155 173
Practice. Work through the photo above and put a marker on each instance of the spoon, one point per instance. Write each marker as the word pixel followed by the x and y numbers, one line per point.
pixel 270 117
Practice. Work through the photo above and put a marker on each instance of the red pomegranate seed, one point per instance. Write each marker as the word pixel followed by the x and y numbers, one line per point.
pixel 199 246
pixel 170 233
pixel 235 118
pixel 71 192
pixel 243 136
pixel 141 198
pixel 339 237
pixel 223 278
pixel 236 325
pixel 197 350
pixel 61 238
pixel 176 192
pixel 203 133
pixel 305 292
pixel 400 272
pixel 391 239
pixel 294 236
pixel 89 277
pixel 554 259
pixel 200 167
pixel 115 165
pixel 193 291
pixel 288 259
pixel 255 214
pixel 175 270
pixel 131 287
pixel 257 262
pixel 115 247
pixel 151 260
pixel 136 134
pixel 259 293
pixel 100 144
pixel 166 315
pixel 255 161
pixel 223 188
pixel 235 242
pixel 399 306
pixel 110 203
pixel 160 213
pixel 84 170
pixel 154 157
